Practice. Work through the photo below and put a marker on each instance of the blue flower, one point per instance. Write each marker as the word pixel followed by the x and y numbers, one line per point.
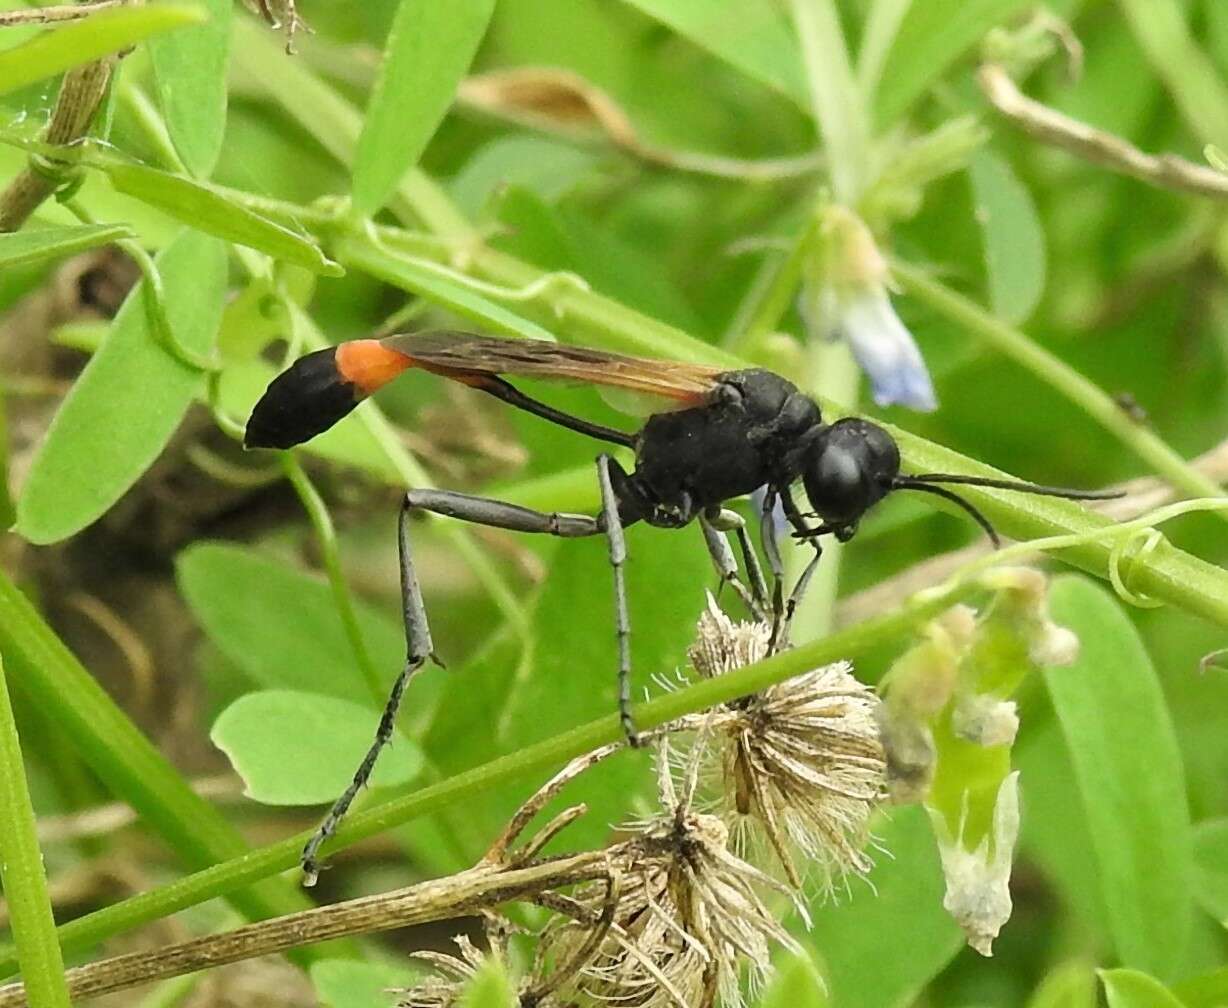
pixel 847 298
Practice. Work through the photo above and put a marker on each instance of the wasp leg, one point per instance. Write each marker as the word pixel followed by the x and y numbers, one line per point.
pixel 796 520
pixel 799 591
pixel 418 645
pixel 612 523
pixel 715 522
pixel 771 550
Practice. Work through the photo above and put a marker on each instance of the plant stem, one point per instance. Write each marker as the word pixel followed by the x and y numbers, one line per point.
pixel 483 887
pixel 835 97
pixel 1163 33
pixel 81 95
pixel 1055 372
pixel 61 12
pixel 882 25
pixel 21 873
pixel 778 292
pixel 326 536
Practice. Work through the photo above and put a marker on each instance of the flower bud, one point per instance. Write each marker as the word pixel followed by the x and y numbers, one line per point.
pixel 844 296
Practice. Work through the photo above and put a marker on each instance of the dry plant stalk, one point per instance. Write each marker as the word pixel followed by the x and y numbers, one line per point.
pixel 482 887
pixel 1168 171
pixel 80 97
pixel 60 12
pixel 560 101
pixel 280 15
pixel 689 914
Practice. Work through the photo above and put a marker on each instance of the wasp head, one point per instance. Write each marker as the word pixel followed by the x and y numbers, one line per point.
pixel 848 468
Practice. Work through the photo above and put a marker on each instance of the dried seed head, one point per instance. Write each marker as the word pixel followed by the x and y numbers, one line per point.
pixel 452 974
pixel 688 915
pixel 721 645
pixel 803 758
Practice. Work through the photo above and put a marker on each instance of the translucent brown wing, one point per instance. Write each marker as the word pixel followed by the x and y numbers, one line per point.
pixel 459 354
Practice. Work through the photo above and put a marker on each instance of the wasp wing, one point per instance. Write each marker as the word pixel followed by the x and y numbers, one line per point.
pixel 319 389
pixel 465 356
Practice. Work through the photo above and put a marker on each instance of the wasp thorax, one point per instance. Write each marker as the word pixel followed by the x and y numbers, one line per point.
pixel 848 469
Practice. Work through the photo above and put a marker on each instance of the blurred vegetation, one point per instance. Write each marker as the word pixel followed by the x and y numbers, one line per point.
pixel 642 176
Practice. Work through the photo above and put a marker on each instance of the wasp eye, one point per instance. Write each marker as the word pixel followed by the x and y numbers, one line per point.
pixel 849 469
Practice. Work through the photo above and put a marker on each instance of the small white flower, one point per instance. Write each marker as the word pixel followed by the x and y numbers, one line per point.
pixel 985 720
pixel 1024 599
pixel 978 881
pixel 848 299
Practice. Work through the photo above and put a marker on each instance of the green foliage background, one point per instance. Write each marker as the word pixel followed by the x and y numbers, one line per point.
pixel 230 162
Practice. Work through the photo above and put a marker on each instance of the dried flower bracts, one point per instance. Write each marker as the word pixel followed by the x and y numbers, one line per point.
pixel 802 759
pixel 689 917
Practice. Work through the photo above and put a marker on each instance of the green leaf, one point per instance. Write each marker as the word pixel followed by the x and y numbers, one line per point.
pixel 750 36
pixel 22 875
pixel 1011 234
pixel 547 167
pixel 128 401
pixel 490 987
pixel 796 981
pixel 429 49
pixel 1070 985
pixel 206 209
pixel 190 75
pixel 1206 990
pixel 8 513
pixel 1127 988
pixel 932 36
pixel 333 121
pixel 39 244
pixel 280 625
pixel 1128 768
pixel 294 748
pixel 1054 833
pixel 906 903
pixel 59 49
pixel 1211 865
pixel 1177 58
pixel 345 983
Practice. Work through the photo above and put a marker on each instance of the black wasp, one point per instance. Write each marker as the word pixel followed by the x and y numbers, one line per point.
pixel 716 434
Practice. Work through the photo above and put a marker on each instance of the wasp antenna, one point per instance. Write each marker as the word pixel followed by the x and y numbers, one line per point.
pixel 1019 485
pixel 911 483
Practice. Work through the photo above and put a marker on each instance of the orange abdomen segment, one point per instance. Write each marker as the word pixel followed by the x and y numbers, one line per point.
pixel 318 390
pixel 368 365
